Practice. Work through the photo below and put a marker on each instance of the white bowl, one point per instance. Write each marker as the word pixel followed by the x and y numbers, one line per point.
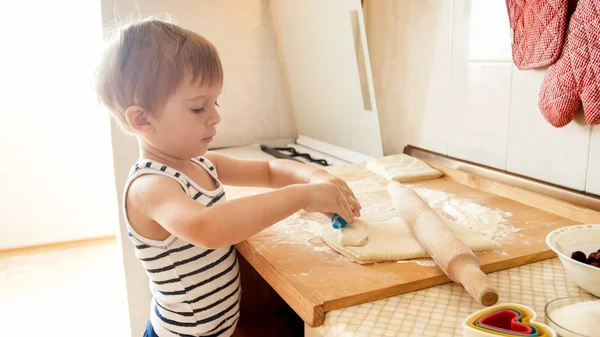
pixel 586 238
pixel 555 322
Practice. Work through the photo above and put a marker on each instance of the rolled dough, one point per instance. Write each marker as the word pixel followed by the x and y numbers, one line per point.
pixel 402 168
pixel 392 240
pixel 354 234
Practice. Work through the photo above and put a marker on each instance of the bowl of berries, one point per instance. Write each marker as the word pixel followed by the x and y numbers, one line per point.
pixel 578 248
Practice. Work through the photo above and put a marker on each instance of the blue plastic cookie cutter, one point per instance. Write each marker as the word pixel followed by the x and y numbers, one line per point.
pixel 337 221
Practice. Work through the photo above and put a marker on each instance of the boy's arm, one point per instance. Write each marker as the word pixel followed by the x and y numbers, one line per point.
pixel 275 174
pixel 260 173
pixel 162 200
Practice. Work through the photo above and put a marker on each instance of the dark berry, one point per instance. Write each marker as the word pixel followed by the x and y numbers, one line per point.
pixel 594 257
pixel 596 264
pixel 579 256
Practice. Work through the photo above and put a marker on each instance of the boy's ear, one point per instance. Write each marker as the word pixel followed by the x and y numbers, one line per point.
pixel 139 120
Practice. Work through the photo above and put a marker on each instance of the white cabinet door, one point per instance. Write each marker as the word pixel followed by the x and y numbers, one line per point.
pixel 324 50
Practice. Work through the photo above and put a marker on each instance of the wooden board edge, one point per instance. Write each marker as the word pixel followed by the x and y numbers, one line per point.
pixel 379 294
pixel 344 302
pixel 539 201
pixel 518 262
pixel 306 304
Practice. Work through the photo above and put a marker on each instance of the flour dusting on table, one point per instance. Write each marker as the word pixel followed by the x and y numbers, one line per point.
pixel 420 262
pixel 489 222
pixel 302 228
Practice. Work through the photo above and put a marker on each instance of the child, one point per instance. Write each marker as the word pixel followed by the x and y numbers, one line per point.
pixel 161 83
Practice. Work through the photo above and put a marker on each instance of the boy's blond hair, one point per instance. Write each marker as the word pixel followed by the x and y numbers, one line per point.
pixel 145 61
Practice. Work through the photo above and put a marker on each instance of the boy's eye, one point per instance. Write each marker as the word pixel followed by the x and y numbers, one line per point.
pixel 202 109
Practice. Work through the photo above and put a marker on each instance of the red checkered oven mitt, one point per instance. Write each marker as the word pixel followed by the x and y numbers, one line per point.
pixel 574 80
pixel 538 30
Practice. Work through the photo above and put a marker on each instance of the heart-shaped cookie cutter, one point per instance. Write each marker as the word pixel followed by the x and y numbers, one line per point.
pixel 527 317
pixel 507 321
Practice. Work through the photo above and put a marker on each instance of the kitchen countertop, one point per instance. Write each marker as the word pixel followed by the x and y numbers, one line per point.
pixel 439 311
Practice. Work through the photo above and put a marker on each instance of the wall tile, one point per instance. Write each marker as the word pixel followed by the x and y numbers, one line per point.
pixel 412 100
pixel 480 111
pixel 405 30
pixel 481 31
pixel 248 33
pixel 535 148
pixel 593 172
pixel 255 104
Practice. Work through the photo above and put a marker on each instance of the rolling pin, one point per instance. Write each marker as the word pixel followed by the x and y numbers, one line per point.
pixel 452 255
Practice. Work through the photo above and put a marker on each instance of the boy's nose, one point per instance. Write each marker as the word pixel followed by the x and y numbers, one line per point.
pixel 215 118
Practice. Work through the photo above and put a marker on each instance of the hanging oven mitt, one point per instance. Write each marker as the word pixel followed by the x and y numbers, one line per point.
pixel 538 30
pixel 575 78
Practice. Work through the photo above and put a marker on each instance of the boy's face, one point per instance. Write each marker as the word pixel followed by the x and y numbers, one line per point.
pixel 187 123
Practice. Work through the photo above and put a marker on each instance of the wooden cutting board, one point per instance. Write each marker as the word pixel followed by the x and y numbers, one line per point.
pixel 314 279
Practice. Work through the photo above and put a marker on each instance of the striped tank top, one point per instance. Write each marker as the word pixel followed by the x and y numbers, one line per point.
pixel 195 291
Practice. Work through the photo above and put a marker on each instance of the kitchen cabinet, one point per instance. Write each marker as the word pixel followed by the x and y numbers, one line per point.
pixel 324 50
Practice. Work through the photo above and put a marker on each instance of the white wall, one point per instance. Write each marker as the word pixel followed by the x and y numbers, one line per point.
pixel 56 176
pixel 445 81
pixel 593 178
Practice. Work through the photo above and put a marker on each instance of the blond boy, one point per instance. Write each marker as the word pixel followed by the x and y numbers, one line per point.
pixel 161 83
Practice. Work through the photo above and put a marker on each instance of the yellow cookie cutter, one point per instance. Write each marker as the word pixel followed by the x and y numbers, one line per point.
pixel 470 329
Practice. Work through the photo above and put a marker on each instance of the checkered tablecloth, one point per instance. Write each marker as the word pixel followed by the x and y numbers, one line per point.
pixel 439 311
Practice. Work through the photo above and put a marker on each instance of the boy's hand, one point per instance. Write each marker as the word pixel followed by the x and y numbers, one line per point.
pixel 324 177
pixel 328 198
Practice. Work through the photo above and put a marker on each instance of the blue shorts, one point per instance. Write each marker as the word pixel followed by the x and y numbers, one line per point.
pixel 149 332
